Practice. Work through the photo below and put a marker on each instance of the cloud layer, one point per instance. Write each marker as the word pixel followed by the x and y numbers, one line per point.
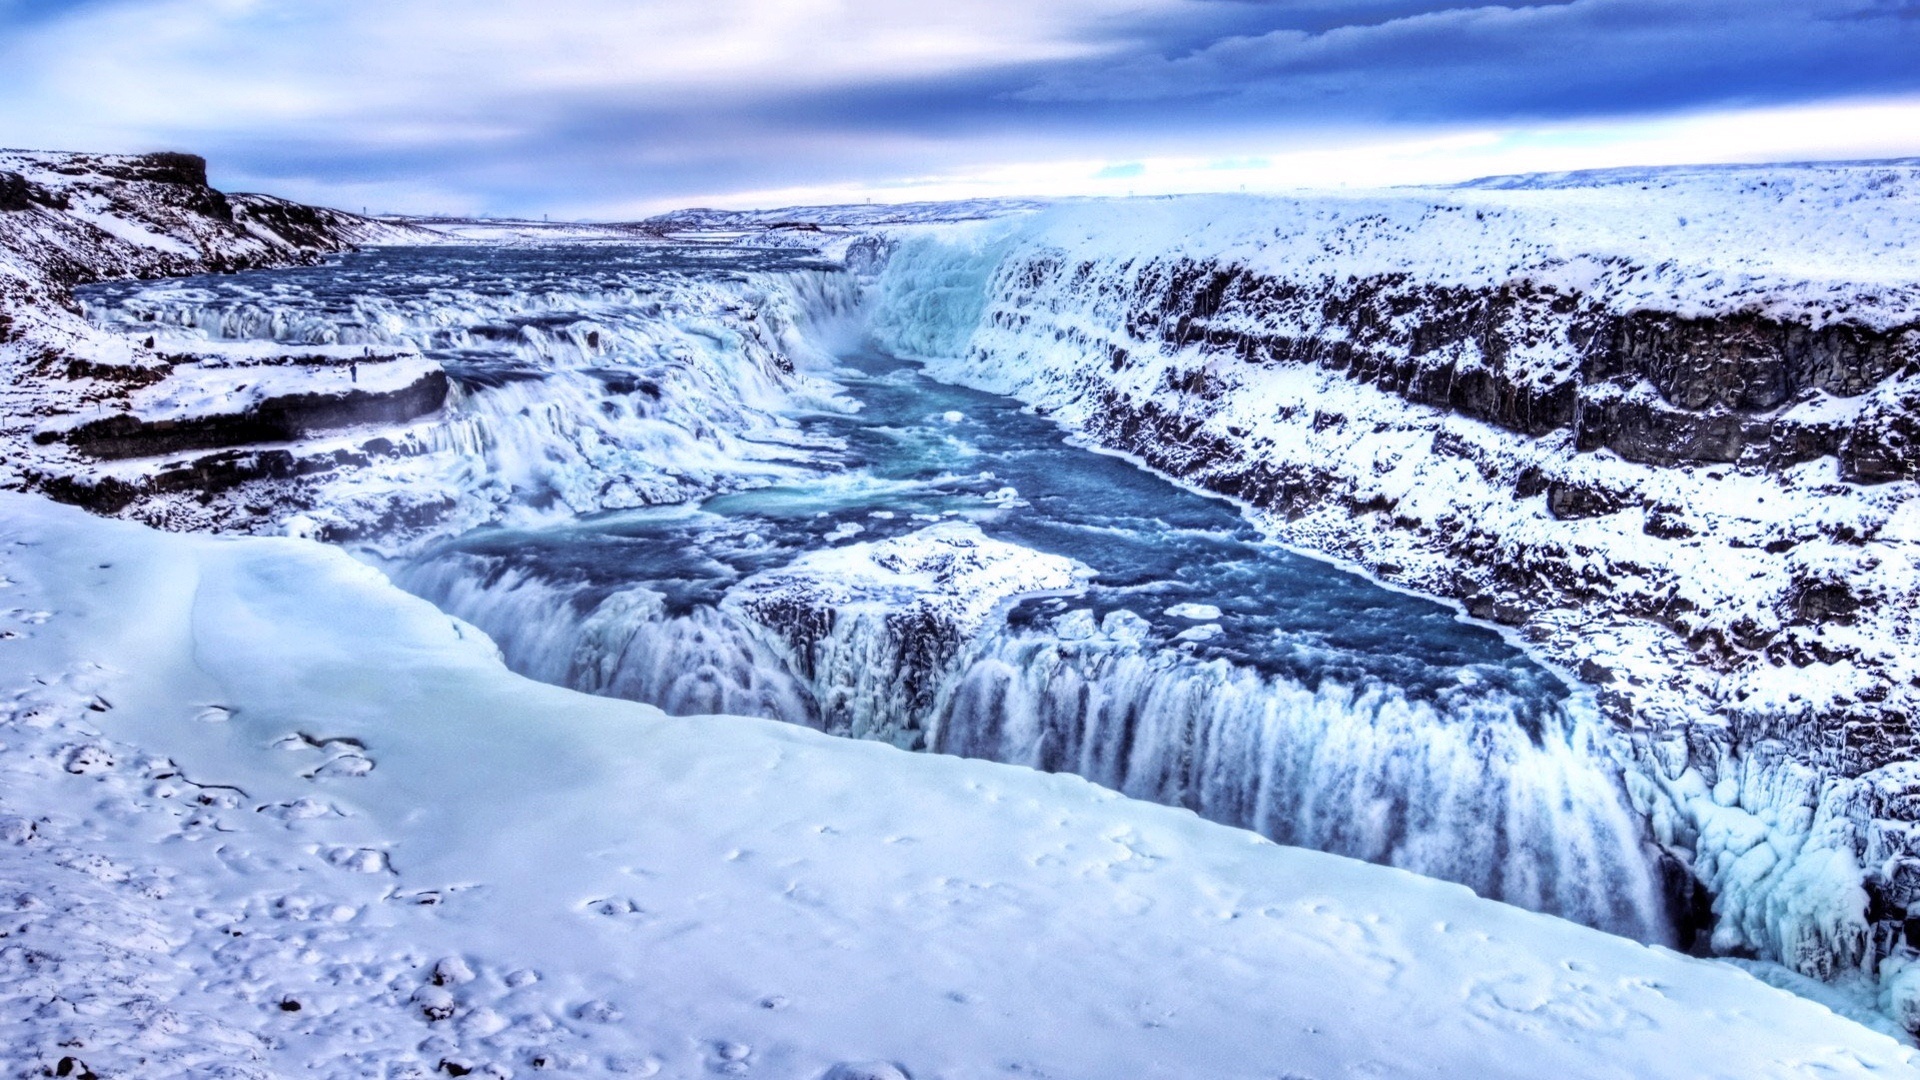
pixel 588 106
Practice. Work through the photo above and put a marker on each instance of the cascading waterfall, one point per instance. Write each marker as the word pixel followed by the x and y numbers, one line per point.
pixel 574 388
pixel 621 644
pixel 1488 791
pixel 1516 799
pixel 589 382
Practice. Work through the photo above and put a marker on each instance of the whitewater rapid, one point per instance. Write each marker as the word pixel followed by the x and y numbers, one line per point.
pixel 649 436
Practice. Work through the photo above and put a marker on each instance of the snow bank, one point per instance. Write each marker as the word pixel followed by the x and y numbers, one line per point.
pixel 264 815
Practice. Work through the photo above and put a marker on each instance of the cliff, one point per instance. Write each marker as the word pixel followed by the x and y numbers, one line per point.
pixel 77 399
pixel 1660 423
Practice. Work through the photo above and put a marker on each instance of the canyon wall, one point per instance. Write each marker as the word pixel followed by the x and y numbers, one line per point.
pixel 1663 425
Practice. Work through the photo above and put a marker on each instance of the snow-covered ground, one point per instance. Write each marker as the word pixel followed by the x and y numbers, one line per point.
pixel 852 215
pixel 264 815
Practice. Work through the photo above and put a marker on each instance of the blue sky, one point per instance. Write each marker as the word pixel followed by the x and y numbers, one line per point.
pixel 616 107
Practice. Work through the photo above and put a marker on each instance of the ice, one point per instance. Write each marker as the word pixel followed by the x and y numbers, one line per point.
pixel 1196 612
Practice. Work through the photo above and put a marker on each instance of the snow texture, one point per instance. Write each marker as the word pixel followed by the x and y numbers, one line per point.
pixel 264 815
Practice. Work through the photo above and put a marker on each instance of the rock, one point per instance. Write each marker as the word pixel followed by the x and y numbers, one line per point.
pixel 1572 499
pixel 284 418
pixel 1825 601
pixel 452 971
pixel 17 193
pixel 1884 444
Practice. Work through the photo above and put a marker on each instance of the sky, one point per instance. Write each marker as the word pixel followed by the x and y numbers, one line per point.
pixel 620 108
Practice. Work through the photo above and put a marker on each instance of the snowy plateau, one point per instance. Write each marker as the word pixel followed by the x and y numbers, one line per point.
pixel 298 500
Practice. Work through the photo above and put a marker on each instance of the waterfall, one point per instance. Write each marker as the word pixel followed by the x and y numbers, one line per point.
pixel 573 390
pixel 617 643
pixel 1518 800
pixel 579 390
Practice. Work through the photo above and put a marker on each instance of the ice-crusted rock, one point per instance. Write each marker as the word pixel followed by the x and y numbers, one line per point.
pixel 73 394
pixel 874 627
pixel 1585 407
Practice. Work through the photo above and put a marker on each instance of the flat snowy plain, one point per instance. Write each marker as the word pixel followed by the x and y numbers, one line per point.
pixel 264 815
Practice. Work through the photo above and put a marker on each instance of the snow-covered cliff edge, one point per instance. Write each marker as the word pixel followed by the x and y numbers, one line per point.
pixel 75 399
pixel 1662 423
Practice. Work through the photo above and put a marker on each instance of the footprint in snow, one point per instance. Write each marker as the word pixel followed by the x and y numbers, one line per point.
pixel 358 860
pixel 346 765
pixel 598 1012
pixel 865 1070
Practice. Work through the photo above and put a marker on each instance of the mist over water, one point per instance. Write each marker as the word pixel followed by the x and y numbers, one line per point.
pixel 1203 666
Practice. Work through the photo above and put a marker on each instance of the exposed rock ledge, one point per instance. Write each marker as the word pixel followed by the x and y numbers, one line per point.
pixel 104 420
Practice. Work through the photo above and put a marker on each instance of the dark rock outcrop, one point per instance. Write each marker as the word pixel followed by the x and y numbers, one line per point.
pixel 286 418
pixel 1653 387
pixel 1884 443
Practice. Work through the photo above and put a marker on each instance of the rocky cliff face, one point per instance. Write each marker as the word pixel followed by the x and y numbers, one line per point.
pixel 1684 469
pixel 112 421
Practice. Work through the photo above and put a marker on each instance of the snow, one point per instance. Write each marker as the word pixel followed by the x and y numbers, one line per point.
pixel 1655 597
pixel 1198 612
pixel 266 815
pixel 1678 242
pixel 853 215
pixel 224 383
pixel 951 571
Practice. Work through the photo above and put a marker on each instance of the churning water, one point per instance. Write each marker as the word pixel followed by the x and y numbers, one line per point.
pixel 1203 666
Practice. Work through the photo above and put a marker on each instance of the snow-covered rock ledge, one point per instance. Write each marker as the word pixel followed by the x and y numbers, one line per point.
pixel 264 815
pixel 208 402
pixel 877 627
pixel 72 394
pixel 1680 461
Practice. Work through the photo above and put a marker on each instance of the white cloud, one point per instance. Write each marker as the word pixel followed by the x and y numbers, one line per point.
pixel 389 65
pixel 1832 131
pixel 615 107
